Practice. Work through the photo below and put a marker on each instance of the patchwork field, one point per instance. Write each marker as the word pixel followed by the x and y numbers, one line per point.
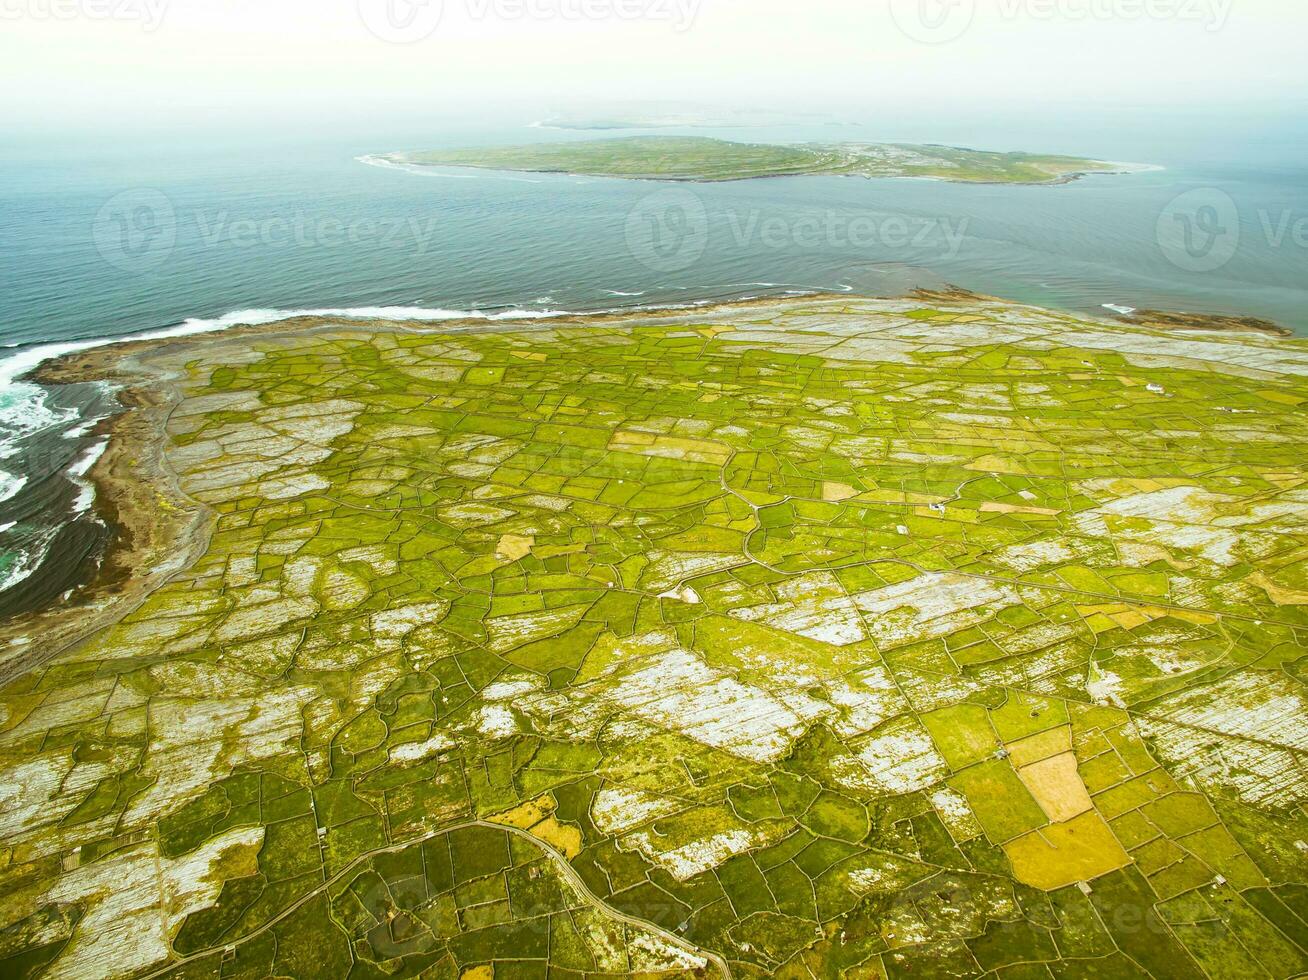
pixel 698 158
pixel 818 638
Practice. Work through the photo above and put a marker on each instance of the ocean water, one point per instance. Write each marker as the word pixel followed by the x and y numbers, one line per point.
pixel 102 238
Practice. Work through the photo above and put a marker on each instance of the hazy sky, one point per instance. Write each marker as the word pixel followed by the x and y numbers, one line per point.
pixel 150 59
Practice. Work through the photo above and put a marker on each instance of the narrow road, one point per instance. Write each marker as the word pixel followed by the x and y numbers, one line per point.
pixel 561 863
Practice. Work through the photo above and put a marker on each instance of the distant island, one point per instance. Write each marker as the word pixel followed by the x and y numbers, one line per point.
pixel 690 158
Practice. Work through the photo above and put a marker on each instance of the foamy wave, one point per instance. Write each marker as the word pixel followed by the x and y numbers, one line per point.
pixel 20 399
pixel 23 409
pixel 28 360
pixel 388 162
pixel 88 459
pixel 378 160
pixel 84 428
pixel 1132 168
pixel 805 289
pixel 77 473
pixel 22 405
pixel 28 561
pixel 10 485
pixel 257 318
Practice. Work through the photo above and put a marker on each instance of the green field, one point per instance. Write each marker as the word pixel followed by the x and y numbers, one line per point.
pixel 818 638
pixel 704 159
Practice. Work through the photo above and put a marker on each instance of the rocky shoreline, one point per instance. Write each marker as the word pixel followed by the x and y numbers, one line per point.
pixel 1166 320
pixel 154 530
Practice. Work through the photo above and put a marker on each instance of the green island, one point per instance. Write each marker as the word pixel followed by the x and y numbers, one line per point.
pixel 689 158
pixel 825 637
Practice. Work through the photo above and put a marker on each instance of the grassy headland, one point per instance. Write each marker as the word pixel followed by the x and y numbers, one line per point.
pixel 688 158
